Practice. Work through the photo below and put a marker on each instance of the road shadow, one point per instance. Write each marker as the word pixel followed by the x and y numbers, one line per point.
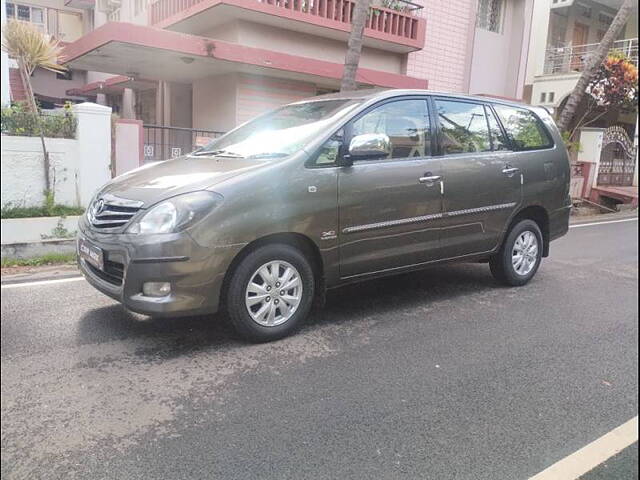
pixel 174 336
pixel 177 335
pixel 388 295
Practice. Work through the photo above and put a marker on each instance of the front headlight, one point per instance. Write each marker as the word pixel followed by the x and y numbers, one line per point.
pixel 176 213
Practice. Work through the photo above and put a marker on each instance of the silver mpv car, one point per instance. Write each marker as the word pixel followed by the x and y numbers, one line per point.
pixel 319 193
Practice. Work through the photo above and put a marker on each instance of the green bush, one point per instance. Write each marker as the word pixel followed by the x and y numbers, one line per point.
pixel 18 120
pixel 45 211
pixel 48 259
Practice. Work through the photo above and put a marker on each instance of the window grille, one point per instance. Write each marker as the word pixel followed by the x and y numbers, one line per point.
pixel 490 15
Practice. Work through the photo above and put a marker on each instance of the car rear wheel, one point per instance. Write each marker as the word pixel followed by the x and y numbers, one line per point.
pixel 520 256
pixel 270 293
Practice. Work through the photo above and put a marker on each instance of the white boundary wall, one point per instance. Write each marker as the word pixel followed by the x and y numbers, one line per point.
pixel 36 229
pixel 80 166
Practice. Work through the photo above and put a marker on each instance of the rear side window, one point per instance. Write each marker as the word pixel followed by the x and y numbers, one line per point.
pixel 463 127
pixel 524 129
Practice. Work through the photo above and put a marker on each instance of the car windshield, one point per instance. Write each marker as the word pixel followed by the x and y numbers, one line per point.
pixel 281 132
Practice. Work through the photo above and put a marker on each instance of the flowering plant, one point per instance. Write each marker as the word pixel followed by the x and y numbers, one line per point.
pixel 615 85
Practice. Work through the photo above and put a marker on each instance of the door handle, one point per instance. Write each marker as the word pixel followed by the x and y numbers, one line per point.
pixel 510 171
pixel 430 179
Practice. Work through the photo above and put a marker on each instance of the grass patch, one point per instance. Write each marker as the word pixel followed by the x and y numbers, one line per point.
pixel 44 211
pixel 48 259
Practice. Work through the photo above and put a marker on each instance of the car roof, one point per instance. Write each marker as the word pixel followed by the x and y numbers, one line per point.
pixel 384 93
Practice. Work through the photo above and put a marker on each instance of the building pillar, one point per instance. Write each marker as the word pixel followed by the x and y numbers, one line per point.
pixel 128 104
pixel 635 168
pixel 93 134
pixel 590 149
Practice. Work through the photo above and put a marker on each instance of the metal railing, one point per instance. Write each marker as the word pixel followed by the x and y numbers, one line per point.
pixel 573 58
pixel 394 17
pixel 162 143
pixel 114 15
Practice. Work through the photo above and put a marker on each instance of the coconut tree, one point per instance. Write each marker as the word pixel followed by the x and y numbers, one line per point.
pixel 354 46
pixel 593 63
pixel 32 49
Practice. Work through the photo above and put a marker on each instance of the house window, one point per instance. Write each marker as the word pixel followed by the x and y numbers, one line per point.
pixel 552 96
pixel 604 20
pixel 584 10
pixel 543 97
pixel 490 15
pixel 27 13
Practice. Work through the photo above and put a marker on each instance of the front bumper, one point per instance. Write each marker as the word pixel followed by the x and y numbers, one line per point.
pixel 195 272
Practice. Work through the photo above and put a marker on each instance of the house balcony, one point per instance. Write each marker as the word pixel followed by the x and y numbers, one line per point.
pixel 397 26
pixel 573 58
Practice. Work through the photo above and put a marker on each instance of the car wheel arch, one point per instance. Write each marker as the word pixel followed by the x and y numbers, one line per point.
pixel 296 240
pixel 538 214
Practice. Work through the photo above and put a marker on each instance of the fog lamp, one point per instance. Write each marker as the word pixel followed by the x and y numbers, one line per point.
pixel 156 289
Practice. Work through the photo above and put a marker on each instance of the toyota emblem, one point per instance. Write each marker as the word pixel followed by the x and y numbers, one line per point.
pixel 99 207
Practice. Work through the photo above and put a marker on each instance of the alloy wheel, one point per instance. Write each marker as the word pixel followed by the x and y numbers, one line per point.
pixel 525 253
pixel 273 293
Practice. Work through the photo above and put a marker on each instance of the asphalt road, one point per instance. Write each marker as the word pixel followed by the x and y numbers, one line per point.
pixel 438 375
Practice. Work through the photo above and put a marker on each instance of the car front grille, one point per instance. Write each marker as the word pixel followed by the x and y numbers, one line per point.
pixel 109 213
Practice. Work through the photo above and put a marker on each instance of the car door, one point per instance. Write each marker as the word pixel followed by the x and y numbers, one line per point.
pixel 390 208
pixel 481 186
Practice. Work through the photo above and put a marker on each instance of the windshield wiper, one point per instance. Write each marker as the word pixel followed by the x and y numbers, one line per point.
pixel 269 155
pixel 216 153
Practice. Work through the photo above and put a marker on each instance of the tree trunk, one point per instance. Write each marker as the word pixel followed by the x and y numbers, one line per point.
pixel 31 99
pixel 354 47
pixel 593 64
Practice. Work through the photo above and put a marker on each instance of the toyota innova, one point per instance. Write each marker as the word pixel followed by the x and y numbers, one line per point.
pixel 327 191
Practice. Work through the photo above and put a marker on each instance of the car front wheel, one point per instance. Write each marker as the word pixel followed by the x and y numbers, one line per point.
pixel 270 293
pixel 520 256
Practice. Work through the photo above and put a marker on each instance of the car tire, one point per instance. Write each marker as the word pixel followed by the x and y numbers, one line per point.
pixel 255 286
pixel 515 264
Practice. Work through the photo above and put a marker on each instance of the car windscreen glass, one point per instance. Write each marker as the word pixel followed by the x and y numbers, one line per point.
pixel 281 132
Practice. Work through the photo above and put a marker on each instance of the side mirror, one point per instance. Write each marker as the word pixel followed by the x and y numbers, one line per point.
pixel 369 145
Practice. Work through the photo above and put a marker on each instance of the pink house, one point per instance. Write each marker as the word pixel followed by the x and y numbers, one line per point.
pixel 208 65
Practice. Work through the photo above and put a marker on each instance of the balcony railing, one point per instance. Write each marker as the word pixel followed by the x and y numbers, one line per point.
pixel 573 58
pixel 396 17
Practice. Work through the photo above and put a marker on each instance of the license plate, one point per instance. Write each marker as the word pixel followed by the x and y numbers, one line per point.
pixel 91 253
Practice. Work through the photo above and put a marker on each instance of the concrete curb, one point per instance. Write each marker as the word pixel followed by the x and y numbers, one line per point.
pixel 36 277
pixel 36 249
pixel 604 217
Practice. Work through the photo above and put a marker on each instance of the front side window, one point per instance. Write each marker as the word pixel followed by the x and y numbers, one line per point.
pixel 463 127
pixel 281 132
pixel 330 150
pixel 523 128
pixel 405 122
pixel 490 15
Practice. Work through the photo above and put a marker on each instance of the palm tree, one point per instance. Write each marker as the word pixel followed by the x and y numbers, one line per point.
pixel 354 47
pixel 593 64
pixel 31 49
